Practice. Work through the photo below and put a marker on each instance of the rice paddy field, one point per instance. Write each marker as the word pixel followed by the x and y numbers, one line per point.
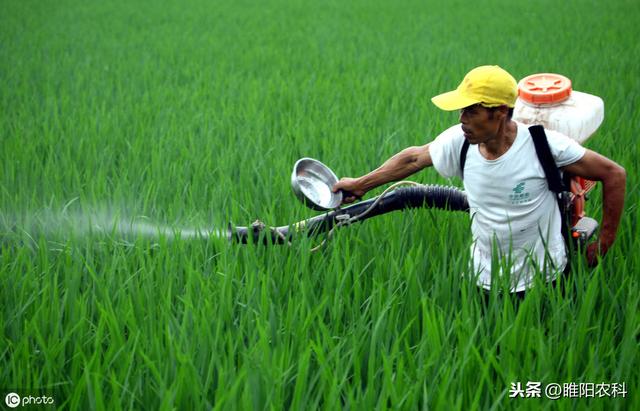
pixel 133 132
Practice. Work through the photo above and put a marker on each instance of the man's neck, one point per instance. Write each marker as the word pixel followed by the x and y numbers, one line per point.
pixel 505 136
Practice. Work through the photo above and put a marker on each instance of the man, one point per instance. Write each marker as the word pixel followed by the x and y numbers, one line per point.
pixel 524 230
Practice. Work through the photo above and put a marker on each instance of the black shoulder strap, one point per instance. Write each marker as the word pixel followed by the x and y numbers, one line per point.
pixel 554 179
pixel 463 156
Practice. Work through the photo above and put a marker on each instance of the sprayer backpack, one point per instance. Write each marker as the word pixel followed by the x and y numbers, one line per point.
pixel 574 232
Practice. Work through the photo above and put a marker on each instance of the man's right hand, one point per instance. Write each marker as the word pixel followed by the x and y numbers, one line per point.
pixel 351 189
pixel 401 165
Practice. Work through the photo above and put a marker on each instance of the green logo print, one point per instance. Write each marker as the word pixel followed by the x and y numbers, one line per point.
pixel 519 197
pixel 519 188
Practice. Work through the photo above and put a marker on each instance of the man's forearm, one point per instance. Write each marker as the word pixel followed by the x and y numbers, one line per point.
pixel 400 166
pixel 613 189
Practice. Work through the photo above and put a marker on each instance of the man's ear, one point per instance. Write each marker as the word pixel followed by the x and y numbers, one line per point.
pixel 502 112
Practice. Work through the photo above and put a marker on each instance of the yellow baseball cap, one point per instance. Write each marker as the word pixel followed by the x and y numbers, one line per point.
pixel 490 86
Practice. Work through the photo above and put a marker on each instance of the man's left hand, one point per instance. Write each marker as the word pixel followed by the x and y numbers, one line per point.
pixel 595 250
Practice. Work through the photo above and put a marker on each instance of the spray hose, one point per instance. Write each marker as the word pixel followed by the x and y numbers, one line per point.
pixel 392 199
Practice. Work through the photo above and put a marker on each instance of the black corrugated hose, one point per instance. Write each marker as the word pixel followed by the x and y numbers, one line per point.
pixel 428 196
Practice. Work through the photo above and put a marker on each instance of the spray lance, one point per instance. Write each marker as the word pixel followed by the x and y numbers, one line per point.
pixel 312 181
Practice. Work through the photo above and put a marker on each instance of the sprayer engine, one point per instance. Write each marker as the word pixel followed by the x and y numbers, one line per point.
pixel 548 99
pixel 582 227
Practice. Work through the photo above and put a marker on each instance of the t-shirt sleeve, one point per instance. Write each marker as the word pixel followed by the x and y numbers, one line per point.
pixel 445 151
pixel 565 151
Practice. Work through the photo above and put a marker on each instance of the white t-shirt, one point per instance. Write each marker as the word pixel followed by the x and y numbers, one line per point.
pixel 511 204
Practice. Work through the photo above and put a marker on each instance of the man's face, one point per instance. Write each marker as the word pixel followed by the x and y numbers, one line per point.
pixel 480 124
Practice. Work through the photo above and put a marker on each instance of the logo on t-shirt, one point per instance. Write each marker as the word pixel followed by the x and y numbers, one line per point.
pixel 519 196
